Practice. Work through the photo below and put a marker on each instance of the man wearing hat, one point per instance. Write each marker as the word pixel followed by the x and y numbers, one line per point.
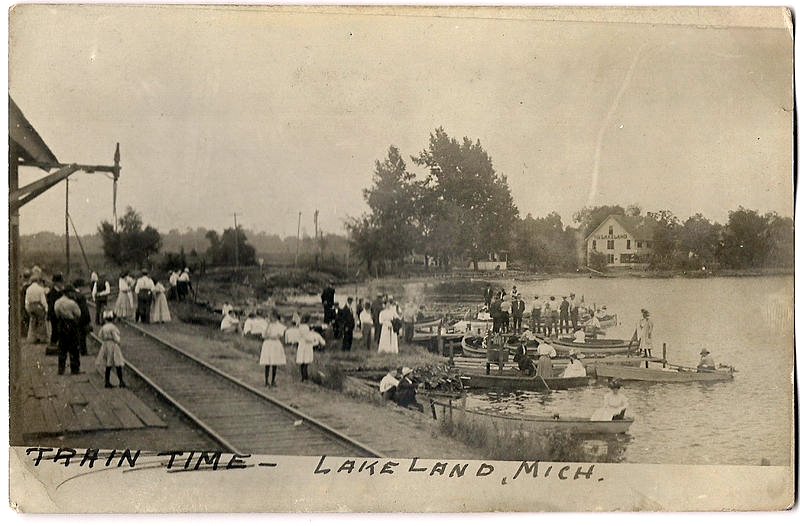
pixel 389 383
pixel 144 297
pixel 55 292
pixel 536 314
pixel 517 310
pixel 184 284
pixel 406 392
pixel 574 304
pixel 644 332
pixel 706 361
pixel 68 315
pixel 36 307
pixel 348 323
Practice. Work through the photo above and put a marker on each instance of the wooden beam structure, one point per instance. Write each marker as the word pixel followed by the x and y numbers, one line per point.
pixel 26 148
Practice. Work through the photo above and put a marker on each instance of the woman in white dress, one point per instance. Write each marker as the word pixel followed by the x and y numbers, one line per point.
pixel 614 403
pixel 307 340
pixel 123 307
pixel 159 313
pixel 272 352
pixel 388 342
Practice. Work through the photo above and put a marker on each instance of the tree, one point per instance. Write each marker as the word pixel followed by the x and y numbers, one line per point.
pixel 590 217
pixel 780 236
pixel 665 239
pixel 463 185
pixel 544 244
pixel 699 239
pixel 390 230
pixel 745 243
pixel 223 249
pixel 130 244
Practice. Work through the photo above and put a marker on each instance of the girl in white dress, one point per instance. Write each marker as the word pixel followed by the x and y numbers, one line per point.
pixel 307 340
pixel 272 352
pixel 123 307
pixel 110 354
pixel 388 341
pixel 614 403
pixel 159 313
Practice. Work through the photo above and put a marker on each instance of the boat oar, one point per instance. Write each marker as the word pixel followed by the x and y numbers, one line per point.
pixel 543 381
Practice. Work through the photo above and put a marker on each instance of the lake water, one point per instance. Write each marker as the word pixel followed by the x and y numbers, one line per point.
pixel 745 322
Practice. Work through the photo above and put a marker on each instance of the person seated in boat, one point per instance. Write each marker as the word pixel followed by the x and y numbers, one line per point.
pixel 614 403
pixel 546 354
pixel 406 395
pixel 388 386
pixel 706 361
pixel 579 336
pixel 575 369
pixel 483 314
pixel 524 361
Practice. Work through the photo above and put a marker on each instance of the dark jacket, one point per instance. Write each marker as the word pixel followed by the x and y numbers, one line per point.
pixel 346 318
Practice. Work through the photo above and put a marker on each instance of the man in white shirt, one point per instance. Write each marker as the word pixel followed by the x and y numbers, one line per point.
pixel 36 307
pixel 184 284
pixel 536 314
pixel 144 297
pixel 389 383
pixel 101 290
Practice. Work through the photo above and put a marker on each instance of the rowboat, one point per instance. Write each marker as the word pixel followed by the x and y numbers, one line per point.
pixel 603 346
pixel 508 426
pixel 515 380
pixel 472 346
pixel 667 373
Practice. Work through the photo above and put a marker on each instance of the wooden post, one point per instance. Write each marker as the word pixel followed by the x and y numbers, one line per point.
pixel 450 360
pixel 664 355
pixel 439 341
pixel 15 301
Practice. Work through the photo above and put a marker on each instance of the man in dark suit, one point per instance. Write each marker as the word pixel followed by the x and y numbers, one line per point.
pixel 348 323
pixel 328 303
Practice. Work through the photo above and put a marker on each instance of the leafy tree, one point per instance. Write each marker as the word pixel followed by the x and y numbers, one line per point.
pixel 780 236
pixel 544 244
pixel 597 261
pixel 665 240
pixel 590 217
pixel 699 239
pixel 745 242
pixel 223 249
pixel 463 185
pixel 131 243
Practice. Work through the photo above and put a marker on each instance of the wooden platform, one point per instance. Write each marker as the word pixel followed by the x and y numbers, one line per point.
pixel 57 404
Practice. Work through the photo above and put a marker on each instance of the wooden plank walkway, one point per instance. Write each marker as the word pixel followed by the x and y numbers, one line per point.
pixel 56 404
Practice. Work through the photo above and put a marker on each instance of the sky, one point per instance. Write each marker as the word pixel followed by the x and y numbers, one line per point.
pixel 270 113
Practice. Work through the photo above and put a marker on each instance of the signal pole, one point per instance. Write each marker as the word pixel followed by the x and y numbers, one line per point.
pixel 297 249
pixel 316 236
pixel 236 241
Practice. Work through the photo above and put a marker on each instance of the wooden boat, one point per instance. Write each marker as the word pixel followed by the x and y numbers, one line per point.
pixel 598 346
pixel 661 373
pixel 512 379
pixel 512 425
pixel 473 346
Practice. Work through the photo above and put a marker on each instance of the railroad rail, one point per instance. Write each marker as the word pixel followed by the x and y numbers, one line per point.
pixel 240 418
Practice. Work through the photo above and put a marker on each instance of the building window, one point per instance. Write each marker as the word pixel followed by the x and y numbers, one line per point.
pixel 610 244
pixel 629 244
pixel 610 230
pixel 610 258
pixel 626 258
pixel 638 244
pixel 594 244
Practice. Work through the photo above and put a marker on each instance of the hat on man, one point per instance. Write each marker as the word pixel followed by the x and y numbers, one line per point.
pixel 645 312
pixel 58 278
pixel 407 371
pixel 615 383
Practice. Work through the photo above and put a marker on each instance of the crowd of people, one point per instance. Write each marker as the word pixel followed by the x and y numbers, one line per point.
pixel 548 315
pixel 56 313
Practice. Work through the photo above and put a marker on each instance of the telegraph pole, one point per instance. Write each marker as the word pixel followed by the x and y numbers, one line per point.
pixel 297 249
pixel 66 227
pixel 316 236
pixel 236 241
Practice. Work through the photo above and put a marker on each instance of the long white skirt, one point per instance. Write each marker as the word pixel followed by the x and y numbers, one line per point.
pixel 159 312
pixel 123 307
pixel 388 343
pixel 272 353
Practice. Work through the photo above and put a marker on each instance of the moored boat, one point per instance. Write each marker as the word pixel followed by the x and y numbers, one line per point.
pixel 663 373
pixel 603 346
pixel 515 380
pixel 512 425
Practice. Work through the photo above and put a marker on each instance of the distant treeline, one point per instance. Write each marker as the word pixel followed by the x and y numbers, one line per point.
pixel 460 211
pixel 190 240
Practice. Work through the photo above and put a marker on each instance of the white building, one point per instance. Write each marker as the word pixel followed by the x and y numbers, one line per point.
pixel 624 241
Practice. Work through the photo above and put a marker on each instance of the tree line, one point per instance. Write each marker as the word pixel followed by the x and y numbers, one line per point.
pixel 459 210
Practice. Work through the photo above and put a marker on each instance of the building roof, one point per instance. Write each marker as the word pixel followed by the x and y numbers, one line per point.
pixel 641 228
pixel 24 136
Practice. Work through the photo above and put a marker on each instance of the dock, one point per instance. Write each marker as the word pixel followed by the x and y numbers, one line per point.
pixel 54 404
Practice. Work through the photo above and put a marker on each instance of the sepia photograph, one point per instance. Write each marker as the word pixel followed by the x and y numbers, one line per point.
pixel 455 255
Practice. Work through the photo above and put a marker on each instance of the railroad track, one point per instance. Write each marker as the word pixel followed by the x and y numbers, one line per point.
pixel 240 418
